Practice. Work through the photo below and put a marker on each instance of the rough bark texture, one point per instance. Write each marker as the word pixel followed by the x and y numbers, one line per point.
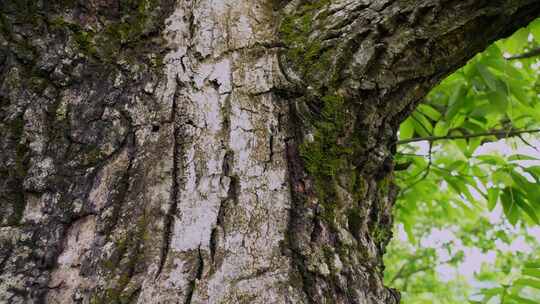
pixel 214 151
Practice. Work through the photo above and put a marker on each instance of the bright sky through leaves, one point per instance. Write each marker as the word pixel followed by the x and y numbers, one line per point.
pixel 468 214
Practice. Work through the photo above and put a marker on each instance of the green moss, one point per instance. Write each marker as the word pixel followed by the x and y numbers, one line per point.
pixel 37 84
pixel 18 202
pixel 328 157
pixel 323 157
pixel 57 23
pixel 5 25
pixel 138 18
pixel 84 40
pixel 18 205
pixel 26 11
pixel 121 267
pixel 354 219
pixel 384 184
pixel 118 294
pixel 333 148
pixel 331 152
pixel 92 155
pixel 305 54
pixel 381 235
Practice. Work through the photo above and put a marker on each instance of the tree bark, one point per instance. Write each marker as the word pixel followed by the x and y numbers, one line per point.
pixel 199 151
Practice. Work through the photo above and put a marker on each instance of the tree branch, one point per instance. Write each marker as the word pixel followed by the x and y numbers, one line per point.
pixel 425 171
pixel 529 54
pixel 497 133
pixel 404 273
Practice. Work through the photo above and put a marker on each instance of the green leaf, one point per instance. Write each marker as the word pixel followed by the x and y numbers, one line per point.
pixel 534 171
pixel 492 292
pixel 533 272
pixel 498 101
pixel 422 125
pixel 523 205
pixel 493 196
pixel 406 129
pixel 521 299
pixel 408 230
pixel 532 264
pixel 518 91
pixel 509 206
pixel 441 128
pixel 491 159
pixel 515 45
pixel 534 29
pixel 456 101
pixel 502 176
pixel 531 189
pixel 429 111
pixel 493 83
pixel 528 282
pixel 521 157
pixel 489 93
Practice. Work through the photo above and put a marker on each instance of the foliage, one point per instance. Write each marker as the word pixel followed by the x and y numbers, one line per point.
pixel 521 290
pixel 453 184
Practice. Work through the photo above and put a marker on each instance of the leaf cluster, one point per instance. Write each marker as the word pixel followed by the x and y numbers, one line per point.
pixel 455 179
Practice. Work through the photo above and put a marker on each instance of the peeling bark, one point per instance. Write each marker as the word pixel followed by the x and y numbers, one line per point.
pixel 159 151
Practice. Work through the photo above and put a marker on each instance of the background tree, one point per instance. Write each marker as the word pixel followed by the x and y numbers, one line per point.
pixel 214 151
pixel 470 178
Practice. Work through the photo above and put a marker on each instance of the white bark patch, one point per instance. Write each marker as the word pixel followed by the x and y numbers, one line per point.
pixel 222 75
pixel 66 279
pixel 259 75
pixel 32 210
pixel 105 181
pixel 259 223
pixel 226 110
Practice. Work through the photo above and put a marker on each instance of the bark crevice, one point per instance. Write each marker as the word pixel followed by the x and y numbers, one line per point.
pixel 178 142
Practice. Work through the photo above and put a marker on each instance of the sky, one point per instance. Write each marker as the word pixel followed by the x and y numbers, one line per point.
pixel 474 258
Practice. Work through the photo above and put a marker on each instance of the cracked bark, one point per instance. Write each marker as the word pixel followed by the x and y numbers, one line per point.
pixel 177 167
pixel 159 151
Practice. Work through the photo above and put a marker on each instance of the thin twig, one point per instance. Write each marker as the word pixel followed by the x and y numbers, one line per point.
pixel 426 171
pixel 403 273
pixel 412 154
pixel 460 173
pixel 531 53
pixel 498 133
pixel 527 143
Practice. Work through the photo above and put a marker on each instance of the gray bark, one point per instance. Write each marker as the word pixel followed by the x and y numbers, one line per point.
pixel 226 151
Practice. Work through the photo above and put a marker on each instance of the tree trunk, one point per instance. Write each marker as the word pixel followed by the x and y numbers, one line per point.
pixel 228 151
